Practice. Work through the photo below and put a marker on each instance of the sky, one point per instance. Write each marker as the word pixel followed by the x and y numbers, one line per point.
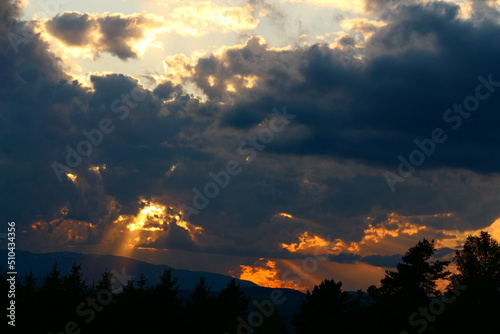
pixel 280 141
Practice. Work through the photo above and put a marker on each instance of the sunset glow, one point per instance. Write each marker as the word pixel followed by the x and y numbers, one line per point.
pixel 72 177
pixel 265 273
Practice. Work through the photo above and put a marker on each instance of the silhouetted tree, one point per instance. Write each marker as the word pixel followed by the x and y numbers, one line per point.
pixel 231 303
pixel 106 282
pixel 142 282
pixel 404 291
pixel 29 284
pixel 168 288
pixel 52 282
pixel 478 263
pixel 201 310
pixel 272 324
pixel 322 309
pixel 55 310
pixel 74 286
pixel 415 278
pixel 476 306
pixel 132 307
pixel 28 305
pixel 129 287
pixel 166 304
pixel 104 310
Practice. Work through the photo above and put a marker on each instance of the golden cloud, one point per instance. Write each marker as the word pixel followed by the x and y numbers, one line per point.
pixel 356 6
pixel 201 18
pixel 362 25
pixel 152 222
pixel 266 273
pixel 86 35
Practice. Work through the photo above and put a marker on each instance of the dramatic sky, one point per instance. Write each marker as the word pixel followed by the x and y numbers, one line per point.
pixel 281 141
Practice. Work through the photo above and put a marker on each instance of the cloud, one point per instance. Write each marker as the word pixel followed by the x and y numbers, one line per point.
pixel 358 106
pixel 130 36
pixel 123 36
pixel 201 18
pixel 265 273
pixel 357 6
pixel 362 25
pixel 351 99
pixel 387 261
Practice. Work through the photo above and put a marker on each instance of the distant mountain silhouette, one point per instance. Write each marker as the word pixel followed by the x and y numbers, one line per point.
pixel 93 265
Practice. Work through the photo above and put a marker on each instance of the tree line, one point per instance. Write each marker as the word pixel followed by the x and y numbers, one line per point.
pixel 407 300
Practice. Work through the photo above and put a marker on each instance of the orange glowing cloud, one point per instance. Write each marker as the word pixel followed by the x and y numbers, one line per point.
pixel 393 227
pixel 458 237
pixel 395 235
pixel 151 223
pixel 72 177
pixel 301 274
pixel 266 274
pixel 307 242
pixel 63 231
pixel 155 216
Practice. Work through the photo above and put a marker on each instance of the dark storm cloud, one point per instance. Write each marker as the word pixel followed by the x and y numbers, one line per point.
pixel 106 33
pixel 73 29
pixel 370 112
pixel 353 118
pixel 37 103
pixel 166 90
pixel 388 261
pixel 43 112
pixel 414 69
pixel 375 260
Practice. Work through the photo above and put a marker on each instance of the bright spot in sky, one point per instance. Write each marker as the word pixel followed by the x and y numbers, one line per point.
pixel 266 274
pixel 72 177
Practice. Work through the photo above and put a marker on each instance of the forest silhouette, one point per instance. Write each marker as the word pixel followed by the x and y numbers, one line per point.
pixel 407 300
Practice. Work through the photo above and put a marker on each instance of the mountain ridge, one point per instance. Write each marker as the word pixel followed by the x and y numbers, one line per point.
pixel 123 268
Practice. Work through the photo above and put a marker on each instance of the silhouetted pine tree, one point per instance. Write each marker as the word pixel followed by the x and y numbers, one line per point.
pixel 142 282
pixel 129 307
pixel 54 312
pixel 27 305
pixel 231 303
pixel 166 304
pixel 322 310
pixel 100 306
pixel 273 324
pixel 476 306
pixel 74 286
pixel 201 312
pixel 478 264
pixel 106 282
pixel 404 291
